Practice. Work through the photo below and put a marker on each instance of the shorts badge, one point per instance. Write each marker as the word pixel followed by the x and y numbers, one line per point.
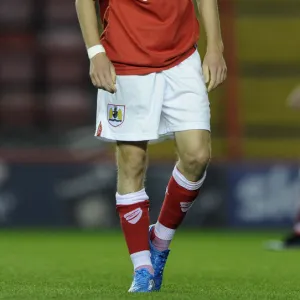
pixel 115 114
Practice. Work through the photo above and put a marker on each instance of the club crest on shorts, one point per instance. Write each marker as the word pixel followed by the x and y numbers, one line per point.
pixel 115 114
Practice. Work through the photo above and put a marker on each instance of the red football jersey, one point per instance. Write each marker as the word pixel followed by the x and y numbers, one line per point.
pixel 145 36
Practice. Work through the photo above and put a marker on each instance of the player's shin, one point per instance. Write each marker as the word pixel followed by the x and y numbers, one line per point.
pixel 180 196
pixel 133 211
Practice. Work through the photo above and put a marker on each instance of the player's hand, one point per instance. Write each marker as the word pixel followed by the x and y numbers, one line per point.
pixel 102 73
pixel 214 69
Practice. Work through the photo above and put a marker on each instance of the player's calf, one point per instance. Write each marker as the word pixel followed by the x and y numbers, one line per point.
pixel 184 186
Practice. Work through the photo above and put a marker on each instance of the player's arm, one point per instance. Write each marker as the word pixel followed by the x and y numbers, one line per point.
pixel 214 66
pixel 102 71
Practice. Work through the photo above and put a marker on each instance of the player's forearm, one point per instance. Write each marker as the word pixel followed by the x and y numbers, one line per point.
pixel 209 13
pixel 87 17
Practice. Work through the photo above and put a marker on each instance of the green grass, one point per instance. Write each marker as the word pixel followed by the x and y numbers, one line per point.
pixel 88 266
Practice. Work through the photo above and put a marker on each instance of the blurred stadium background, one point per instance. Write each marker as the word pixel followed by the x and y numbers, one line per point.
pixel 53 173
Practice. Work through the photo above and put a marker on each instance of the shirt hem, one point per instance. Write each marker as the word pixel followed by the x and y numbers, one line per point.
pixel 141 70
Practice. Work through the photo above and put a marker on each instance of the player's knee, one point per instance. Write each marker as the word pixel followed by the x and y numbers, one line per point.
pixel 196 162
pixel 132 161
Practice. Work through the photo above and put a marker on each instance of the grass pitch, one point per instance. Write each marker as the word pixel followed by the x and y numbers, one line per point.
pixel 90 266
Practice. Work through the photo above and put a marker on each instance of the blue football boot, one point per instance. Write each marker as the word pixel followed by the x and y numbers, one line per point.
pixel 158 260
pixel 143 282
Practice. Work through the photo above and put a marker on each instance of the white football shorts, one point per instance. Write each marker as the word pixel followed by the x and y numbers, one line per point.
pixel 151 106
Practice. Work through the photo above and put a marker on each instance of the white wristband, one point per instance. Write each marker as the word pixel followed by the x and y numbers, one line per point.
pixel 93 51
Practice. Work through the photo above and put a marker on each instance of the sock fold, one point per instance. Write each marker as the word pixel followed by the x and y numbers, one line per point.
pixel 140 259
pixel 163 232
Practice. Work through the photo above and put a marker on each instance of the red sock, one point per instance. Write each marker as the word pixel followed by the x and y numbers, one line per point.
pixel 180 196
pixel 133 211
pixel 134 220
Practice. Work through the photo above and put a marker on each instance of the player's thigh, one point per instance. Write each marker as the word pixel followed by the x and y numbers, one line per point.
pixel 133 112
pixel 193 146
pixel 186 104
